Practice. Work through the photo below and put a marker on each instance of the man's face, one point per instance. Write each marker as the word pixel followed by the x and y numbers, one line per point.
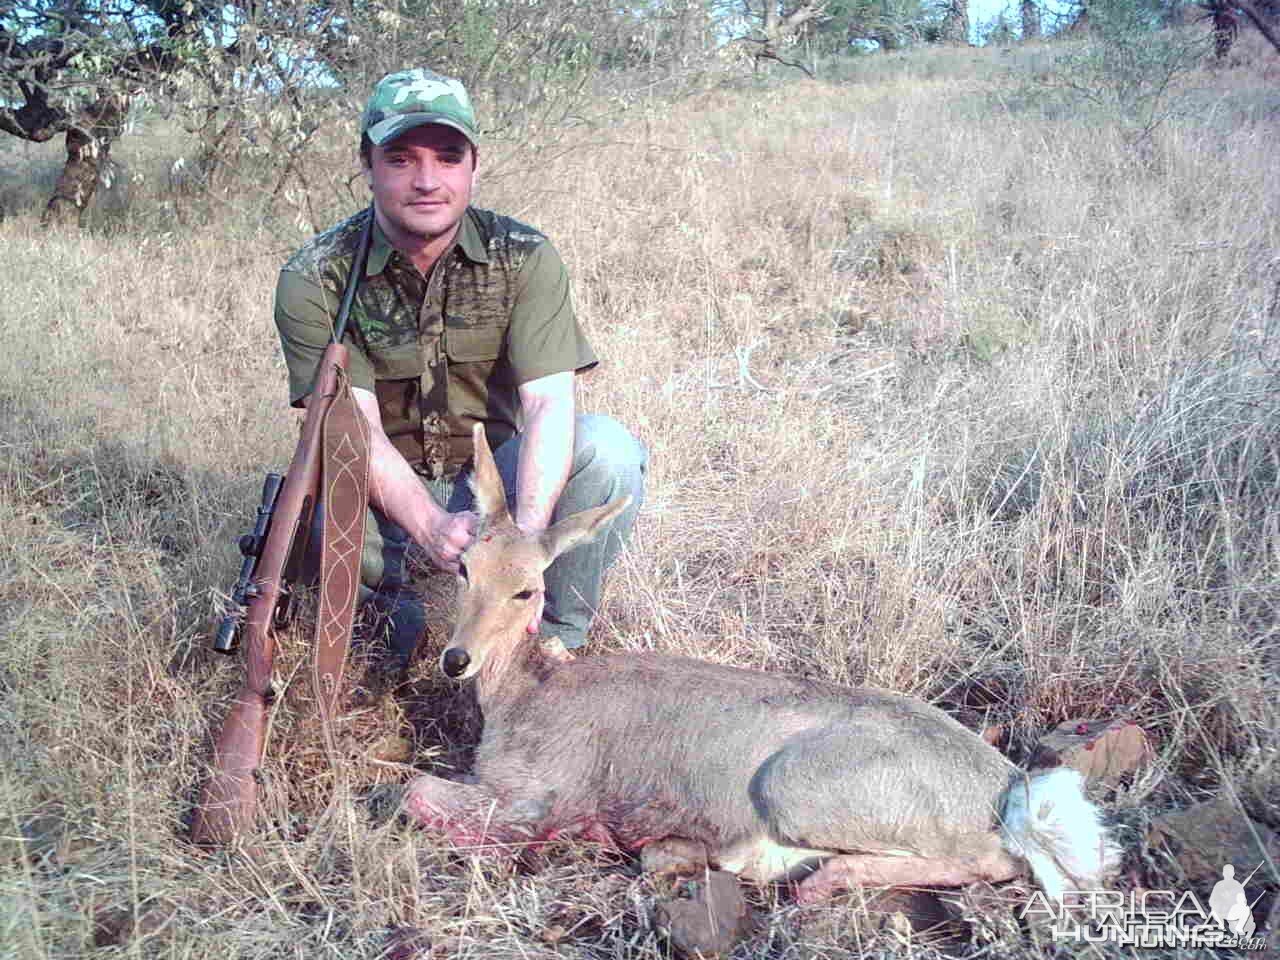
pixel 421 183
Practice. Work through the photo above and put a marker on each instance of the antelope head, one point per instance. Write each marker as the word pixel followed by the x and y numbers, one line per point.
pixel 500 582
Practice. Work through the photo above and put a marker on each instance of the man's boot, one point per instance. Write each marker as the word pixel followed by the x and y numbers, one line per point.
pixel 553 648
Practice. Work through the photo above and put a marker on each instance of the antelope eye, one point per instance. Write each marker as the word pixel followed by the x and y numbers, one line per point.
pixel 523 595
pixel 462 570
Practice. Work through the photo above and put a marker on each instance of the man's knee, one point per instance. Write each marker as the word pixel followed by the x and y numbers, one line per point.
pixel 382 561
pixel 606 454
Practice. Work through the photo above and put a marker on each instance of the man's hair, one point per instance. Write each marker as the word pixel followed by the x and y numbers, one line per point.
pixel 366 151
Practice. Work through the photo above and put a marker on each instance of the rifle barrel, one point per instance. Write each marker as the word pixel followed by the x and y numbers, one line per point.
pixel 353 280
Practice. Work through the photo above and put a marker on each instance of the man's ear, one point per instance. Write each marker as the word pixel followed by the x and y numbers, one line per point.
pixel 366 171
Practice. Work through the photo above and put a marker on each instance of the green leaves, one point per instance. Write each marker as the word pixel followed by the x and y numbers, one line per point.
pixel 1128 67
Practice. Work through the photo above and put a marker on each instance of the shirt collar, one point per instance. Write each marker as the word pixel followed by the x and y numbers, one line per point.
pixel 379 251
pixel 469 241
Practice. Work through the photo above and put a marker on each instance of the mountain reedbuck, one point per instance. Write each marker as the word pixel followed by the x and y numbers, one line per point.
pixel 779 777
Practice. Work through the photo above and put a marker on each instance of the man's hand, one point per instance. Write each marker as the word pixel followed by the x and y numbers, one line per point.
pixel 398 492
pixel 447 536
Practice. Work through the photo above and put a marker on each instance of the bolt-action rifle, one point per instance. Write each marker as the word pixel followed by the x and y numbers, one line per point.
pixel 329 472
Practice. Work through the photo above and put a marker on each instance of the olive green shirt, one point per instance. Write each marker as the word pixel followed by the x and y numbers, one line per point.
pixel 439 352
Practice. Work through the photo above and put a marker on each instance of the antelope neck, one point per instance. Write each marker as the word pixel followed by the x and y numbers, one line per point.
pixel 509 669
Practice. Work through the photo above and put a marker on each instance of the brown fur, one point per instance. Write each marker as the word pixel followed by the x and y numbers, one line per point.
pixel 769 772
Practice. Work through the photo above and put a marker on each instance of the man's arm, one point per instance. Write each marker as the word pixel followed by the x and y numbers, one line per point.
pixel 545 347
pixel 546 448
pixel 396 490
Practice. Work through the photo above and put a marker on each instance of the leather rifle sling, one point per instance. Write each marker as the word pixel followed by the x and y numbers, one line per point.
pixel 344 490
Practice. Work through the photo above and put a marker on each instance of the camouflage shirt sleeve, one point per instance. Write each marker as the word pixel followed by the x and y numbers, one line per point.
pixel 544 336
pixel 305 311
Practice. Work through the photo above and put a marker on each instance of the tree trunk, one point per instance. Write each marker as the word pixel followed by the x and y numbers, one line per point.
pixel 955 25
pixel 770 20
pixel 888 36
pixel 1225 30
pixel 688 30
pixel 88 149
pixel 777 27
pixel 1030 20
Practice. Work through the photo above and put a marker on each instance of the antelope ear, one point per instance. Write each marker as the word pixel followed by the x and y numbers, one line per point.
pixel 586 525
pixel 486 484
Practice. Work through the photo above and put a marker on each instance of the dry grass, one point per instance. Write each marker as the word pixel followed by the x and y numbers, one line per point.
pixel 941 395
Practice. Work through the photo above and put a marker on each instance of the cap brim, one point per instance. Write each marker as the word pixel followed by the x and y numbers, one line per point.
pixel 384 131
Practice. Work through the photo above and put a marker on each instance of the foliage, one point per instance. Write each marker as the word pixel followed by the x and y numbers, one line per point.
pixel 254 82
pixel 1127 67
pixel 59 61
pixel 525 64
pixel 670 35
pixel 889 24
pixel 1002 29
pixel 83 68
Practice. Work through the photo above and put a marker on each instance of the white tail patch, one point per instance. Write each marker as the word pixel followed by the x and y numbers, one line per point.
pixel 1049 822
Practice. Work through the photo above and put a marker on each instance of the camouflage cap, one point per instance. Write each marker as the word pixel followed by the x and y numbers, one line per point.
pixel 411 98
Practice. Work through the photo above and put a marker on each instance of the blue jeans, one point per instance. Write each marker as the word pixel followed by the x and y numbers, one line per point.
pixel 608 462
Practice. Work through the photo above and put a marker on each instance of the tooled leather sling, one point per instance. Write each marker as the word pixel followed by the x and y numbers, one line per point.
pixel 344 491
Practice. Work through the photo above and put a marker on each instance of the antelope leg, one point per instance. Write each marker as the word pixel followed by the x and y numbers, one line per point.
pixel 468 814
pixel 855 870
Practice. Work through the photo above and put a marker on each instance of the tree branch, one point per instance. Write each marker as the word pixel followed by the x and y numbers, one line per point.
pixel 766 52
pixel 35 120
pixel 1259 21
pixel 802 14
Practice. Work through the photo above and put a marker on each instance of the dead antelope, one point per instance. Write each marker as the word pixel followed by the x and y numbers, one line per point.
pixel 775 775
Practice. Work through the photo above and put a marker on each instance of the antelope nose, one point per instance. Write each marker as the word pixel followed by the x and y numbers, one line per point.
pixel 455 661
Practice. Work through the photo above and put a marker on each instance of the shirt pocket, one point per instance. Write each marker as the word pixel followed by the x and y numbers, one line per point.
pixel 473 344
pixel 476 381
pixel 396 363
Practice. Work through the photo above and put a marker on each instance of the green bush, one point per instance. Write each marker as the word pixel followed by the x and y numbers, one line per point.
pixel 1128 67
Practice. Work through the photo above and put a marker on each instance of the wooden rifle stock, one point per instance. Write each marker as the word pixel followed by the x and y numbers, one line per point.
pixel 228 802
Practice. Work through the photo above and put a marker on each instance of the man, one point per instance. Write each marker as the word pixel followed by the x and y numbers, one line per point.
pixel 461 316
pixel 1224 896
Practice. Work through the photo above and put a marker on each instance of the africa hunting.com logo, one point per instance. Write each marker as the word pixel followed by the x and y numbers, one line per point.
pixel 1152 918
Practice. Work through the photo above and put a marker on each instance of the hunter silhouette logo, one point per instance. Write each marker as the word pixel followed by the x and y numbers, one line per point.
pixel 1154 918
pixel 1230 906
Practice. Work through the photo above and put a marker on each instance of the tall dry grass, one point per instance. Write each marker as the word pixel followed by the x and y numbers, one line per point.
pixel 942 393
